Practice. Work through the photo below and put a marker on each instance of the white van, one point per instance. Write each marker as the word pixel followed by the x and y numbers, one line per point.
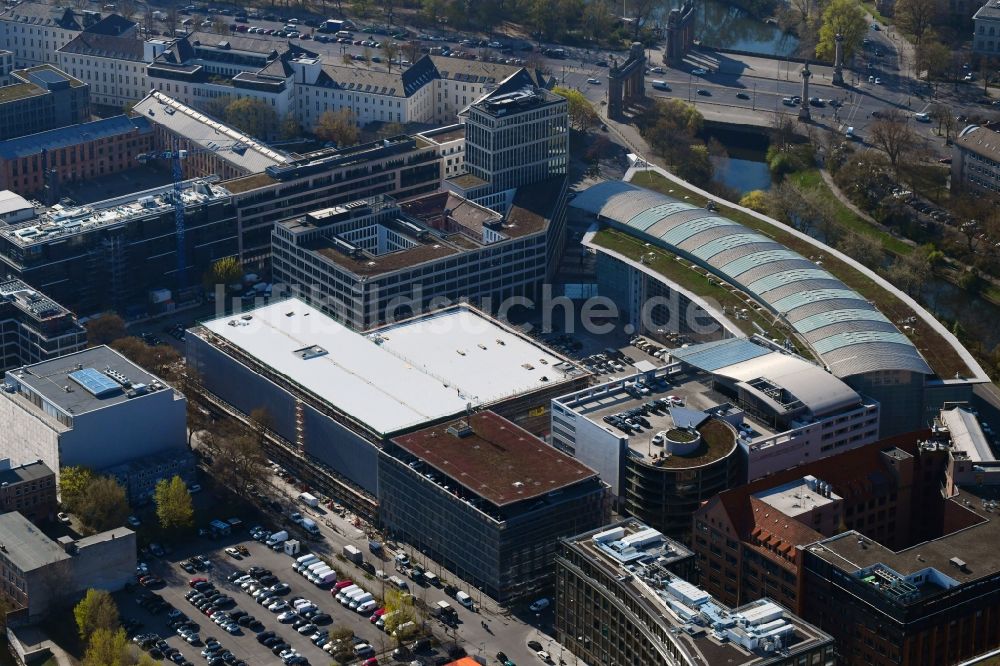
pixel 463 598
pixel 922 117
pixel 660 85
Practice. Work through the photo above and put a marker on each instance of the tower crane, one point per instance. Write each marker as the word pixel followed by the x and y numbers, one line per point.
pixel 176 157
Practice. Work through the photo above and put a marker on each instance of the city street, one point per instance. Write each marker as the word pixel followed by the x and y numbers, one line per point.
pixel 502 631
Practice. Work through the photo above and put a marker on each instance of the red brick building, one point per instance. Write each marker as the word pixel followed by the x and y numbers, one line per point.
pixel 74 153
pixel 748 540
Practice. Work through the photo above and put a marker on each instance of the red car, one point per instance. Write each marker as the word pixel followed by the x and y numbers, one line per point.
pixel 371 661
pixel 195 581
pixel 376 615
pixel 341 584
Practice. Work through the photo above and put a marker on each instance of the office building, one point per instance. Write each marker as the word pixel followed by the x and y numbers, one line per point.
pixel 433 90
pixel 42 98
pixel 750 539
pixel 487 500
pixel 205 66
pixel 35 31
pixel 696 454
pixel 975 161
pixel 122 248
pixel 29 489
pixel 94 408
pixel 38 572
pixel 619 600
pixel 401 166
pixel 35 328
pixel 806 307
pixel 113 65
pixel 986 30
pixel 793 411
pixel 516 135
pixel 376 260
pixel 213 148
pixel 38 164
pixel 334 396
pixel 15 208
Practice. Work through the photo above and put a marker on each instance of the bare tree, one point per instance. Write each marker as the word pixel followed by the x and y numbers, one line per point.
pixel 127 9
pixel 917 17
pixel 390 50
pixel 893 134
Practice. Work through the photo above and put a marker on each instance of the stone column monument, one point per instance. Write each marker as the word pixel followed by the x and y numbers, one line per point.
pixel 838 61
pixel 804 105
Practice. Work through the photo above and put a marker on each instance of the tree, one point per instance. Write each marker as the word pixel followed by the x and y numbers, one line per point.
pixel 401 607
pixel 863 248
pixel 103 505
pixel 173 504
pixel 917 16
pixel 411 51
pixel 931 57
pixel 390 130
pixel 290 127
pixel 338 126
pixel 843 17
pixel 361 8
pixel 127 9
pixel 253 116
pixel 908 272
pixel 238 459
pixel 390 50
pixel 433 9
pixel 670 127
pixel 347 59
pixel 220 27
pixel 582 115
pixel 108 647
pixel 216 106
pixel 224 271
pixel 755 200
pixel 162 360
pixel 73 483
pixel 105 329
pixel 893 134
pixel 697 169
pixel 97 610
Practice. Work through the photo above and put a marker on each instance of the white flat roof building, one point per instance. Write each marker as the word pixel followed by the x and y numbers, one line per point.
pixel 398 376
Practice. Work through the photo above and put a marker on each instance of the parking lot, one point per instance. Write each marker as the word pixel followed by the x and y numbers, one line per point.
pixel 244 645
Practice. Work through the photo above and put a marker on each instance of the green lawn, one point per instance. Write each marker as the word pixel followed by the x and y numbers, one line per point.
pixel 811 179
pixel 941 356
pixel 696 280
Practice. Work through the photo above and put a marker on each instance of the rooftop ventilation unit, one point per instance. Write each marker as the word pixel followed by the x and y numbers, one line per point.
pixel 460 429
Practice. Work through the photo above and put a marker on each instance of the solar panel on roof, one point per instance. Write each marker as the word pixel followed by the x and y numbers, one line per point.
pixel 96 383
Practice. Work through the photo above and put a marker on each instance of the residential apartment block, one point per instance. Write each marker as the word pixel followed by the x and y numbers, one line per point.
pixel 38 164
pixel 40 99
pixel 620 600
pixel 487 500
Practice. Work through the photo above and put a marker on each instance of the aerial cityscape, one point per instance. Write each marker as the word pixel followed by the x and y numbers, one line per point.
pixel 500 332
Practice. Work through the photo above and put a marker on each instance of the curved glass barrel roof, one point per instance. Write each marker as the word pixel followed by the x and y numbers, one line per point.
pixel 842 327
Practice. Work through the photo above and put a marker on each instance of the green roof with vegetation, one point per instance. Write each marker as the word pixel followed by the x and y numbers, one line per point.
pixel 936 350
